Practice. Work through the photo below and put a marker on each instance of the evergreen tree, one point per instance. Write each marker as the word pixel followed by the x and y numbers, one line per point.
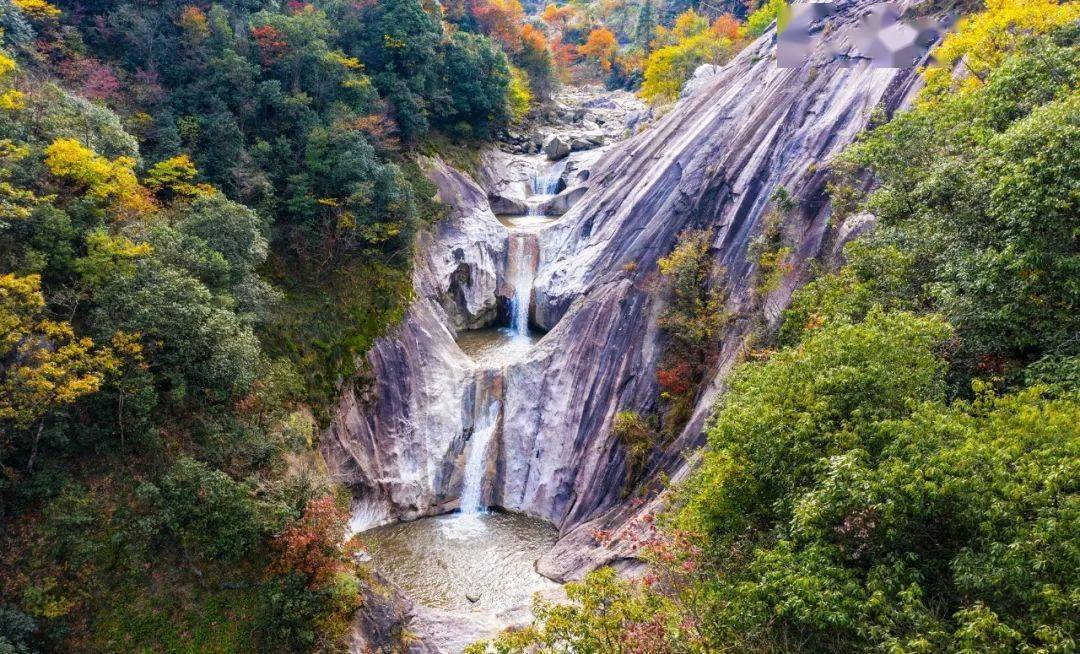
pixel 646 26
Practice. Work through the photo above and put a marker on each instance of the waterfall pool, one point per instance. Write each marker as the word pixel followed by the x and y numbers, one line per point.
pixel 465 563
pixel 496 347
pixel 526 224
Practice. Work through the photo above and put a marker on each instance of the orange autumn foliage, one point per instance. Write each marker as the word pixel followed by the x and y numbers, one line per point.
pixel 563 55
pixel 533 39
pixel 501 20
pixel 271 42
pixel 558 17
pixel 727 27
pixel 600 47
pixel 676 380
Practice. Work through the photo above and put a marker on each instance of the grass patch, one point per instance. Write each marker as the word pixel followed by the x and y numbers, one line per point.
pixel 180 618
pixel 462 155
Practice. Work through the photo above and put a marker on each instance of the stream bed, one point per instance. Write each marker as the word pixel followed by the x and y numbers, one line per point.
pixel 461 563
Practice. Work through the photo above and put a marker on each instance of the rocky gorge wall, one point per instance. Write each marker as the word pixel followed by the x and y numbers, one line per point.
pixel 712 162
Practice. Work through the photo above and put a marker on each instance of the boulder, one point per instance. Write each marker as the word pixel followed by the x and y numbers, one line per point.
pixel 380 623
pixel 578 143
pixel 603 102
pixel 507 206
pixel 556 148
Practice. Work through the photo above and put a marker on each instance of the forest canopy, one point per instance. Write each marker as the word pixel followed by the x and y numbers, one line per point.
pixel 898 470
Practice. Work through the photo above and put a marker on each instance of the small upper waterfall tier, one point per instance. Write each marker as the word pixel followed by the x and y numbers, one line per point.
pixel 547 180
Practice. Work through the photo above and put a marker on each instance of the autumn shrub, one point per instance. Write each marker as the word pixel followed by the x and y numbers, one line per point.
pixel 692 322
pixel 690 43
pixel 638 438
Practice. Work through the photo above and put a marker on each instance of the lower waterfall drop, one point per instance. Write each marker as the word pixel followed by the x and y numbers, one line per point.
pixel 472 490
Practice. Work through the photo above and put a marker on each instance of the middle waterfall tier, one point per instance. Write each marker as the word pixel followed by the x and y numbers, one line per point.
pixel 521 271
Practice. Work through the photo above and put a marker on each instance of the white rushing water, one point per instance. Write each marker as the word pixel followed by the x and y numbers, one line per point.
pixel 473 484
pixel 546 178
pixel 522 269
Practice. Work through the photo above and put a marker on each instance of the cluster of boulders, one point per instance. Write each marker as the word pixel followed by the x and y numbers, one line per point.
pixel 560 145
pixel 578 119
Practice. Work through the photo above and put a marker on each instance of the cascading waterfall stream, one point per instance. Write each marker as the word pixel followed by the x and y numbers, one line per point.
pixel 522 260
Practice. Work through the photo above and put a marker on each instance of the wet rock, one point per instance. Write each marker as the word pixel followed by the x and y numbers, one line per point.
pixel 379 625
pixel 505 206
pixel 451 632
pixel 556 148
pixel 578 143
pixel 562 202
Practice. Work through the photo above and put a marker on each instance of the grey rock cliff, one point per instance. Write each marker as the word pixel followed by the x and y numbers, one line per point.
pixel 712 163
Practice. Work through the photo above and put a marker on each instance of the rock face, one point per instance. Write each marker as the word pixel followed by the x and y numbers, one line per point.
pixel 711 163
pixel 460 264
pixel 398 442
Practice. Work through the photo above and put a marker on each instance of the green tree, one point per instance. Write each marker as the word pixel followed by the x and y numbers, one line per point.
pixel 196 349
pixel 980 187
pixel 646 27
pixel 211 514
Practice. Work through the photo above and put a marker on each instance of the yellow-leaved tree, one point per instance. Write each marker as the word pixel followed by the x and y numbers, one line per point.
pixel 692 41
pixel 982 41
pixel 11 99
pixel 111 182
pixel 175 177
pixel 519 96
pixel 38 9
pixel 46 365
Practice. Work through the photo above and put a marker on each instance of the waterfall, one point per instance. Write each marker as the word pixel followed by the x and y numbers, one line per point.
pixel 546 182
pixel 522 269
pixel 473 484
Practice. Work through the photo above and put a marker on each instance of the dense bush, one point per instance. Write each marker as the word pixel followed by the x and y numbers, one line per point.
pixel 154 450
pixel 979 189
